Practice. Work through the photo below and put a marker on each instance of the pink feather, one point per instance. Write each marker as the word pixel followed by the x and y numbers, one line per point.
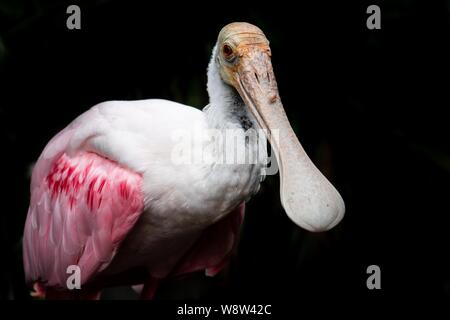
pixel 79 215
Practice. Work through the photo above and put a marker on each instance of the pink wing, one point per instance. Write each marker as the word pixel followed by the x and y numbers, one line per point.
pixel 81 208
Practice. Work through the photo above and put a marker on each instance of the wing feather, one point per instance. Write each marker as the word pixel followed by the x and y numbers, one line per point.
pixel 83 209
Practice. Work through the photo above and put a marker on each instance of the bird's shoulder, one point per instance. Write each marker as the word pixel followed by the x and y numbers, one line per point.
pixel 133 110
pixel 126 132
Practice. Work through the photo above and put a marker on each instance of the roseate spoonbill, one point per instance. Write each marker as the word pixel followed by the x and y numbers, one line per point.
pixel 107 197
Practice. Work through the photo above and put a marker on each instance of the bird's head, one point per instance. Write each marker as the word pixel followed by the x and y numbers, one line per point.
pixel 243 49
pixel 244 62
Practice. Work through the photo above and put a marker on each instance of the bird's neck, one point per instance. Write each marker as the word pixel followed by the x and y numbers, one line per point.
pixel 226 109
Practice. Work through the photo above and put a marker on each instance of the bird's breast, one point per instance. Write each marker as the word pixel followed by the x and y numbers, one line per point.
pixel 197 194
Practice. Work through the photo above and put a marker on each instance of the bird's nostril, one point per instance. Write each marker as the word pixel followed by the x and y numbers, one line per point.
pixel 256 76
pixel 268 77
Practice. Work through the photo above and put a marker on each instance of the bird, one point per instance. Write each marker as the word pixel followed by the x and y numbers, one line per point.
pixel 120 194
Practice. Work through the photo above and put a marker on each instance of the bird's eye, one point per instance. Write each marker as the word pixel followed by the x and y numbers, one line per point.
pixel 227 52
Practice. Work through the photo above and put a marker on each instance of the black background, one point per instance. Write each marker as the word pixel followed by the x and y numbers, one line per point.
pixel 369 106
